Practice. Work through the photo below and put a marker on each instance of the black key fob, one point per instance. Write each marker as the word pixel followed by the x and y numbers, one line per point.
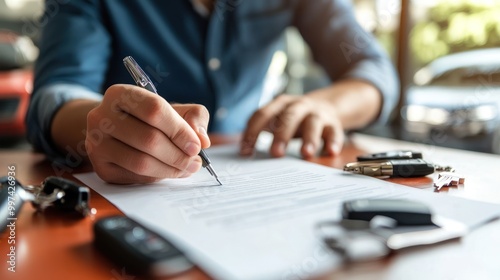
pixel 137 248
pixel 373 228
pixel 74 197
pixel 399 154
pixel 404 212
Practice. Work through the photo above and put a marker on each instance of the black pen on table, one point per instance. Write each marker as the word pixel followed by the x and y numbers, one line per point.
pixel 142 80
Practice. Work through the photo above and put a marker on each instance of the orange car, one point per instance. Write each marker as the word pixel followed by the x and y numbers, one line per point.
pixel 15 89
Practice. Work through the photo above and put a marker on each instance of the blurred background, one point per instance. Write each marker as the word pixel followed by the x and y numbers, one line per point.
pixel 19 30
pixel 446 52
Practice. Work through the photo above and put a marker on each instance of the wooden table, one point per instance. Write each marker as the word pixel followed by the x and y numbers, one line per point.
pixel 55 246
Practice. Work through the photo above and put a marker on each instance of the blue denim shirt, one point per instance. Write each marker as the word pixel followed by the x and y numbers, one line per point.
pixel 219 61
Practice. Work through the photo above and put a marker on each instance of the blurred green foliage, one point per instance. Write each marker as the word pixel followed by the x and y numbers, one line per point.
pixel 453 26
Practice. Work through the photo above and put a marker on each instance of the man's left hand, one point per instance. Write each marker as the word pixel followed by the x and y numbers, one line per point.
pixel 290 116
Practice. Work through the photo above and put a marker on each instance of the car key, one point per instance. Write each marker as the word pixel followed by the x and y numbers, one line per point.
pixel 398 154
pixel 446 179
pixel 63 194
pixel 404 212
pixel 372 228
pixel 137 248
pixel 395 168
pixel 54 192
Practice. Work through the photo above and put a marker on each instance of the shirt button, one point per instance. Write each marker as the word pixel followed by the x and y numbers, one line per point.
pixel 214 64
pixel 221 113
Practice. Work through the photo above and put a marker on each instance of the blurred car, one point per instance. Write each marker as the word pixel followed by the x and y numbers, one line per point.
pixel 16 54
pixel 14 99
pixel 458 94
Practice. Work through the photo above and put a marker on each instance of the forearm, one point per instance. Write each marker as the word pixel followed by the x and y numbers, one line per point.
pixel 68 128
pixel 355 103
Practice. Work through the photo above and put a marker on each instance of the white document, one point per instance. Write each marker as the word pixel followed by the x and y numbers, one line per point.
pixel 260 223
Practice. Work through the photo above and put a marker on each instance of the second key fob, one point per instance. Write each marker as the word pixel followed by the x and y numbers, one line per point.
pixel 398 154
pixel 404 212
pixel 137 248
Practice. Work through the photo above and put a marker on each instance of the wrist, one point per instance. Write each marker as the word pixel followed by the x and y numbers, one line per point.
pixel 355 103
pixel 68 127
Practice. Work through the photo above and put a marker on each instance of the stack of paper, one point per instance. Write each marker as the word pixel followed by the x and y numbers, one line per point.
pixel 261 223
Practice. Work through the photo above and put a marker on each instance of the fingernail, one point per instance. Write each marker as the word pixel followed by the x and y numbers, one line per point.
pixel 309 149
pixel 203 131
pixel 280 148
pixel 185 174
pixel 335 148
pixel 191 148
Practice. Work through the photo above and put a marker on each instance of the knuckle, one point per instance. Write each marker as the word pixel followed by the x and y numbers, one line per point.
pixel 314 119
pixel 295 108
pixel 140 164
pixel 115 93
pixel 154 109
pixel 181 162
pixel 176 173
pixel 179 134
pixel 200 111
pixel 93 116
pixel 304 102
pixel 112 91
pixel 152 139
pixel 287 115
pixel 282 98
pixel 280 137
pixel 261 114
pixel 279 123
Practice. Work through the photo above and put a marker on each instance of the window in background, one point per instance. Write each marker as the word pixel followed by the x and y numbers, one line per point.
pixel 381 18
pixel 447 53
pixel 446 27
pixel 453 67
pixel 21 16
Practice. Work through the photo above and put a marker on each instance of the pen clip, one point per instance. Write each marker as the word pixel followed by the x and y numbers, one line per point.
pixel 139 76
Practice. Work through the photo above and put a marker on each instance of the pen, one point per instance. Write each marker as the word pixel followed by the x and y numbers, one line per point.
pixel 142 80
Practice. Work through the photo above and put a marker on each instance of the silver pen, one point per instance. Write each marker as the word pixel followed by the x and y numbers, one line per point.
pixel 142 80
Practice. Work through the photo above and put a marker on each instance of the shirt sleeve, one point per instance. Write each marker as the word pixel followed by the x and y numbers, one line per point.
pixel 345 50
pixel 42 109
pixel 74 49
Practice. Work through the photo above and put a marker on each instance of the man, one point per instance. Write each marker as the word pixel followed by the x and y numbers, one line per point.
pixel 207 58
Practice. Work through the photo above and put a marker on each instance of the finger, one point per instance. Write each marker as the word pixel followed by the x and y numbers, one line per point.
pixel 152 141
pixel 259 121
pixel 197 116
pixel 114 174
pixel 312 129
pixel 333 138
pixel 286 124
pixel 155 111
pixel 135 161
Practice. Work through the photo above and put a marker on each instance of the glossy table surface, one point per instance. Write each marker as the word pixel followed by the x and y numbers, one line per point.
pixel 57 246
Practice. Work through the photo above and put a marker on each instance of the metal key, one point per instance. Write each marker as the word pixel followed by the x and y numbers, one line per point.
pixel 448 179
pixel 445 168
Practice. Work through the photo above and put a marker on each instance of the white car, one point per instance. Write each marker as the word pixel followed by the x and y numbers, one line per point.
pixel 457 94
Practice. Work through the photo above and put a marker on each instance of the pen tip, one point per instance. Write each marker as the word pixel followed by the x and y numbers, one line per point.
pixel 218 181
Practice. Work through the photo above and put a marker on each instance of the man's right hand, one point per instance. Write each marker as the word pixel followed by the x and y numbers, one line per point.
pixel 136 136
